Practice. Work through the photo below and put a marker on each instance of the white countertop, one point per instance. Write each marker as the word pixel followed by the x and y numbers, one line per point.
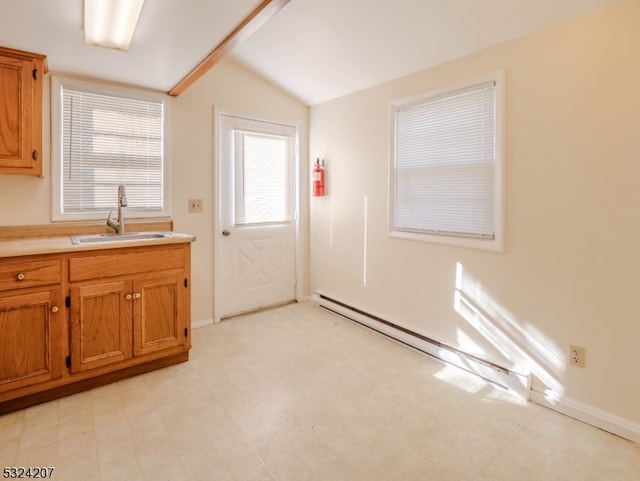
pixel 52 245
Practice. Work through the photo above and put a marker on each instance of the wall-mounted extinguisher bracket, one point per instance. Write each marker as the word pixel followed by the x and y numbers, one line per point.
pixel 318 179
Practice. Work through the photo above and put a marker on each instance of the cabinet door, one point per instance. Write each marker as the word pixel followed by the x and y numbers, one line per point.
pixel 160 316
pixel 31 339
pixel 100 324
pixel 20 114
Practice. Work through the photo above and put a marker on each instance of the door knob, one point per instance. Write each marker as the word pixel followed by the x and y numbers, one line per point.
pixel 226 233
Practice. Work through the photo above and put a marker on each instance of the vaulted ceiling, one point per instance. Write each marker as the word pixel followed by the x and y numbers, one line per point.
pixel 315 49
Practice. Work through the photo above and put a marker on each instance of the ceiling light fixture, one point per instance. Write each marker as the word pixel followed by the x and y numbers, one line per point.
pixel 110 23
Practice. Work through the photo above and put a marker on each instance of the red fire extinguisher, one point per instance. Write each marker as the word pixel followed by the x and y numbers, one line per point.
pixel 318 179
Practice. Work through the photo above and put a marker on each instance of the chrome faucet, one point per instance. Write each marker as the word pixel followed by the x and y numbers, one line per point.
pixel 118 226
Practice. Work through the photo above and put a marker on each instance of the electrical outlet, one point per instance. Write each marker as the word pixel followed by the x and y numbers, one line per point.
pixel 577 356
pixel 195 205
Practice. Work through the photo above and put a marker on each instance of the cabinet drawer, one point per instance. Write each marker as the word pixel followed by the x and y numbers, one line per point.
pixel 120 264
pixel 20 274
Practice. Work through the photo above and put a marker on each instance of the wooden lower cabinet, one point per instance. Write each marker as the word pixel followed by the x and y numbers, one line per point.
pixel 112 314
pixel 115 321
pixel 160 311
pixel 32 342
pixel 101 330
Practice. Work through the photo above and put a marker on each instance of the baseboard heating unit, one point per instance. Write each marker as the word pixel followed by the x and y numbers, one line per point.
pixel 515 383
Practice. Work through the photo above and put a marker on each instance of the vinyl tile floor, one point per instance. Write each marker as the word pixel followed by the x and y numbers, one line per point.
pixel 300 394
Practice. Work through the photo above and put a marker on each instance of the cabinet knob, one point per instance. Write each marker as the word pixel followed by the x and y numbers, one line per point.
pixel 137 295
pixel 20 277
pixel 55 309
pixel 128 297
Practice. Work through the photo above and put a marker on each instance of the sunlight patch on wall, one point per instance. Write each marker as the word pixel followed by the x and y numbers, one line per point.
pixel 468 345
pixel 364 246
pixel 529 350
pixel 331 197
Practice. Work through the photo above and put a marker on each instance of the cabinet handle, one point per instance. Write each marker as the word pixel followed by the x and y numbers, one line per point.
pixel 20 277
pixel 128 297
pixel 137 295
pixel 54 309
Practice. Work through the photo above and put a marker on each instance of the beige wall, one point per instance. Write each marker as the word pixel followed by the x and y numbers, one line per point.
pixel 27 200
pixel 570 270
pixel 569 273
pixel 230 86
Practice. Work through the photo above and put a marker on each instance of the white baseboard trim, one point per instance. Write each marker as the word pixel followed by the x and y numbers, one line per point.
pixel 517 384
pixel 202 323
pixel 625 428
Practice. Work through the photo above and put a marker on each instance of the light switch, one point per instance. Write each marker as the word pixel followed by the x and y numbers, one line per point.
pixel 195 205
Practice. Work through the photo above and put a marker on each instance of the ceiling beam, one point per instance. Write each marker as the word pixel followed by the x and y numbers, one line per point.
pixel 255 20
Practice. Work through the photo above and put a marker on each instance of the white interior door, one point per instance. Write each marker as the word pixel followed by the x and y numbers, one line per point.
pixel 255 244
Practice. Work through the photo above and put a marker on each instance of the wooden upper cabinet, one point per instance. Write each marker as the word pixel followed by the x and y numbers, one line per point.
pixel 21 75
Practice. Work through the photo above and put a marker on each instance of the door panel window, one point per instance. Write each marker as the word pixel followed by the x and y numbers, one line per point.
pixel 262 178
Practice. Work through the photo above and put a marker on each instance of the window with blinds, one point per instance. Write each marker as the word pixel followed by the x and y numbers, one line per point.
pixel 108 137
pixel 447 169
pixel 262 178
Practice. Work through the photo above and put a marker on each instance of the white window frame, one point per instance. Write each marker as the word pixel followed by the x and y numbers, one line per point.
pixel 497 242
pixel 57 84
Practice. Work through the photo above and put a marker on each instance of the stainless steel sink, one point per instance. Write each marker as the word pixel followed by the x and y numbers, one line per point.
pixel 104 238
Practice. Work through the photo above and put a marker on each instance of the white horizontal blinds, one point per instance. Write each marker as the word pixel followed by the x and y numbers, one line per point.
pixel 106 141
pixel 445 164
pixel 262 178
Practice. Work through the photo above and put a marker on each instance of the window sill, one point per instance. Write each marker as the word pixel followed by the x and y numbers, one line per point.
pixel 60 229
pixel 495 245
